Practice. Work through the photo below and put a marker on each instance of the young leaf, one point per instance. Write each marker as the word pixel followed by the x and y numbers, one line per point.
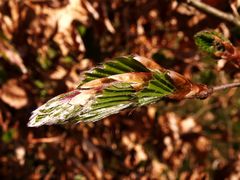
pixel 159 86
pixel 118 65
pixel 211 42
pixel 125 82
pixel 218 46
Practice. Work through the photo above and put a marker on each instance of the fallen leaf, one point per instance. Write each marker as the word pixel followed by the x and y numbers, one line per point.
pixel 58 23
pixel 59 73
pixel 8 52
pixel 13 94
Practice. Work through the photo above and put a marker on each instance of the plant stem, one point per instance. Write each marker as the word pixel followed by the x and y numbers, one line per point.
pixel 205 93
pixel 225 86
pixel 213 11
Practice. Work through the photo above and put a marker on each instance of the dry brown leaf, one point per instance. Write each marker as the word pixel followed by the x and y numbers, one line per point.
pixel 9 52
pixel 73 78
pixel 13 94
pixel 58 23
pixel 91 9
pixel 185 9
pixel 140 154
pixel 109 25
pixel 59 73
pixel 196 19
pixel 203 144
pixel 187 125
pixel 106 19
pixel 9 23
pixel 158 168
pixel 20 153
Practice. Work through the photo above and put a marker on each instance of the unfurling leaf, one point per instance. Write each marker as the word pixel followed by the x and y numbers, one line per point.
pixel 211 42
pixel 218 46
pixel 124 82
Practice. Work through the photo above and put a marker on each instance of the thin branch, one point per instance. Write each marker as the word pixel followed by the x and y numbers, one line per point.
pixel 213 11
pixel 205 93
pixel 56 139
pixel 225 86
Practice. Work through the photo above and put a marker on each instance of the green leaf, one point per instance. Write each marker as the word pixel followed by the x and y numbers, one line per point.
pixel 118 65
pixel 8 136
pixel 81 30
pixel 210 41
pixel 158 87
pixel 113 99
pixel 117 85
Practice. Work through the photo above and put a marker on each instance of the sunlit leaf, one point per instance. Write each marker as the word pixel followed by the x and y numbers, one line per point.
pixel 218 46
pixel 211 41
pixel 124 82
pixel 116 66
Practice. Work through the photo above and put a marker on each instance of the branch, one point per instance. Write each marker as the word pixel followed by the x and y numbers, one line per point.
pixel 205 93
pixel 225 86
pixel 215 12
pixel 125 82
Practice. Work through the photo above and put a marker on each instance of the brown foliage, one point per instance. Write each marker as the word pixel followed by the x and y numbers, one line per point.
pixel 52 42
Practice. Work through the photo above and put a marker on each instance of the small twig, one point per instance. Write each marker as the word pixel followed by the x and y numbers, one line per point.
pixel 225 86
pixel 206 92
pixel 215 12
pixel 234 9
pixel 56 139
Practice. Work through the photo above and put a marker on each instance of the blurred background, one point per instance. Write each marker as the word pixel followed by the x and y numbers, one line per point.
pixel 44 47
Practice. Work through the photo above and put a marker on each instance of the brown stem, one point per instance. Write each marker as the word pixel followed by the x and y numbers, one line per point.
pixel 231 53
pixel 213 11
pixel 208 91
pixel 225 86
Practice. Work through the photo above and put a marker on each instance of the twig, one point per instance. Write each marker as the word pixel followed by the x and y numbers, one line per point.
pixel 56 139
pixel 225 86
pixel 206 92
pixel 215 12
